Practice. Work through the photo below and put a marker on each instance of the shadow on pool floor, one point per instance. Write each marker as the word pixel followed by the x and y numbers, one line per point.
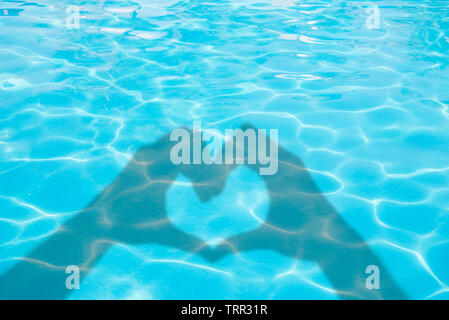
pixel 301 224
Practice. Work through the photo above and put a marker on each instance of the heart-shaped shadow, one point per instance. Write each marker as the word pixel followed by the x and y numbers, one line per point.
pixel 300 223
pixel 235 210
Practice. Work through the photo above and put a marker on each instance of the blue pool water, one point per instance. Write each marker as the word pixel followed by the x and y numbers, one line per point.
pixel 364 106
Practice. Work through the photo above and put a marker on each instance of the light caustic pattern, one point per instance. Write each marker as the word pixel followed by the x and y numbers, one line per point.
pixel 365 106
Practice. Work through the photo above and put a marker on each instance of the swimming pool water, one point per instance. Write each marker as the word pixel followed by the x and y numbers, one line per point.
pixel 365 107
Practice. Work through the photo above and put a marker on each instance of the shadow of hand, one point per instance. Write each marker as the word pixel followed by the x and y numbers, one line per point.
pixel 300 224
